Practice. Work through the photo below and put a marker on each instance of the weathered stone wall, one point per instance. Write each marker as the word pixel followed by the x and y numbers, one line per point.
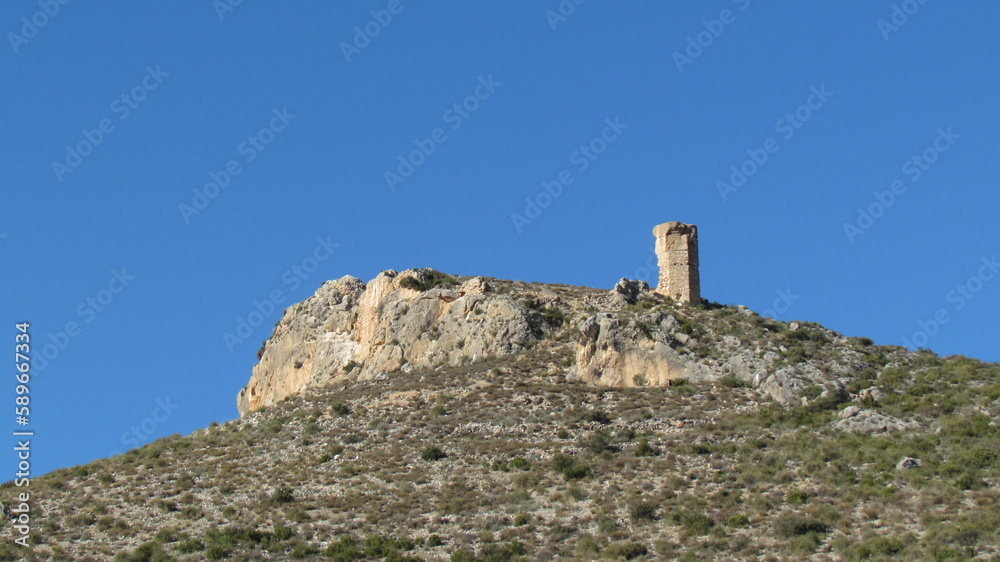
pixel 677 253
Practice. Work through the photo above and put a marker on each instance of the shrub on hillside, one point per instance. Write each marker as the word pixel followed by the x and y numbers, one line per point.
pixel 431 280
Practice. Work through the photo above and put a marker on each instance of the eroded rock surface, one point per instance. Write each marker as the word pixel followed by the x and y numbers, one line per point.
pixel 858 420
pixel 354 330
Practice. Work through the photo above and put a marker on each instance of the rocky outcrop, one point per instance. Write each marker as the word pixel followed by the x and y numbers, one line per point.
pixel 621 348
pixel 628 336
pixel 397 321
pixel 617 351
pixel 627 291
pixel 858 420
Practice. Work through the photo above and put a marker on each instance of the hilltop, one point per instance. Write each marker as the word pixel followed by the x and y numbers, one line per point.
pixel 391 420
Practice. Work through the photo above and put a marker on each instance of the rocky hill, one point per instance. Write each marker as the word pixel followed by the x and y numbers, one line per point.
pixel 630 336
pixel 422 416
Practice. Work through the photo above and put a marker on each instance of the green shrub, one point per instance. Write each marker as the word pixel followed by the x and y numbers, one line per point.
pixel 626 550
pixel 166 535
pixel 553 316
pixel 792 524
pixel 503 553
pixel 345 549
pixel 588 544
pixel 970 480
pixel 699 449
pixel 570 466
pixel 432 454
pixel 797 497
pixel 282 494
pixel 642 511
pixel 382 546
pixel 644 449
pixel 596 416
pixel 302 551
pixel 190 546
pixel 738 520
pixel 879 546
pixel 576 471
pixel 732 382
pixel 283 533
pixel 149 552
pixel 694 522
pixel 431 280
pixel 373 547
pixel 216 552
pixel 462 555
pixel 803 545
pixel 520 463
pixel 795 355
pixel 164 505
pixel 597 442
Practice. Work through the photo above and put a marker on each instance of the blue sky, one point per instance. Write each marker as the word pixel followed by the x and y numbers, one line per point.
pixel 174 169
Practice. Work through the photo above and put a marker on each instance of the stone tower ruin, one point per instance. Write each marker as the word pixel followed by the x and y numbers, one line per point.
pixel 677 254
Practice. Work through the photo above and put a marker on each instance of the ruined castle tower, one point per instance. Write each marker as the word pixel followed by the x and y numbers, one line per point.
pixel 677 254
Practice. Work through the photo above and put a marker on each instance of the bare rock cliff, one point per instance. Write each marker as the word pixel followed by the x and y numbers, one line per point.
pixel 397 321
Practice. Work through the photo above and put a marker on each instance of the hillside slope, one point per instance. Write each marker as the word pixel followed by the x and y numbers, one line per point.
pixel 756 439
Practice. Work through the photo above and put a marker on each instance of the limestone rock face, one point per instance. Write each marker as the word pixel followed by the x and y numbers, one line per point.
pixel 352 330
pixel 618 349
pixel 618 352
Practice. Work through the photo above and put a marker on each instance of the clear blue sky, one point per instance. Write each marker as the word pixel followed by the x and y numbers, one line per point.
pixel 96 232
